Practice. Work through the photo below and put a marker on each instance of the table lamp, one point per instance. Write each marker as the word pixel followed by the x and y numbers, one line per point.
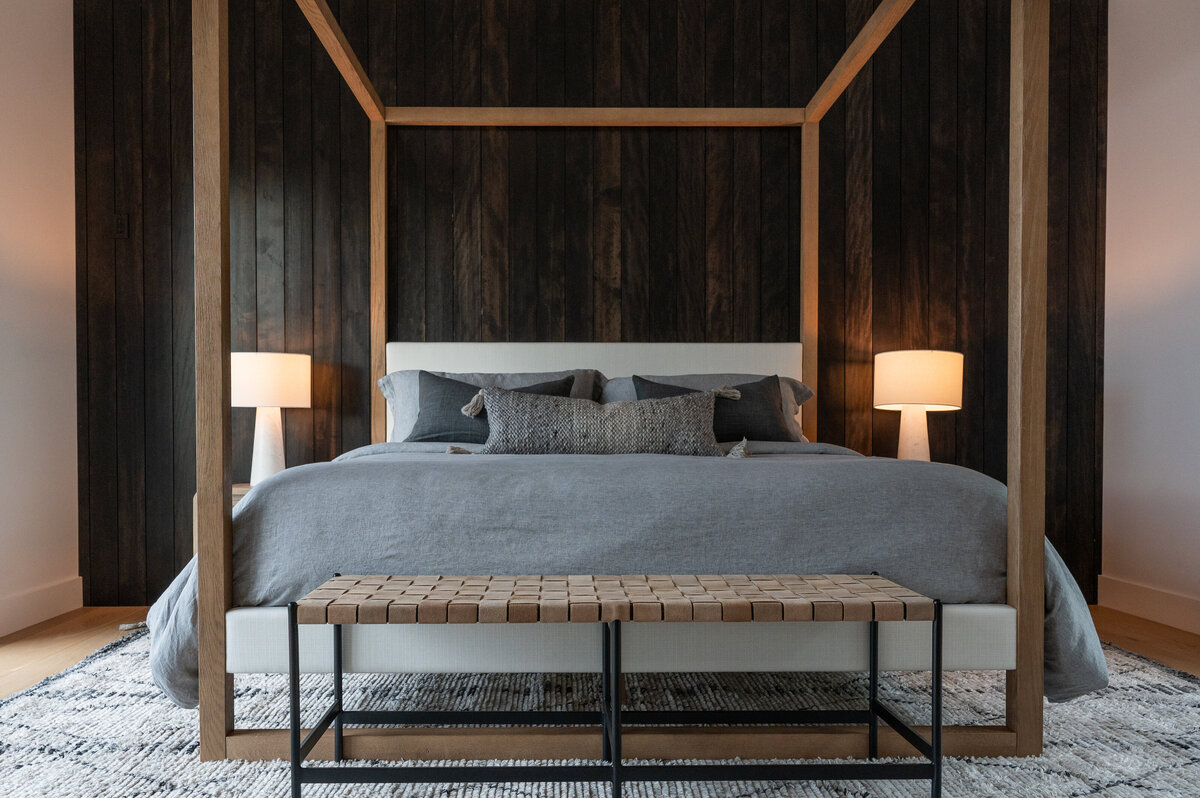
pixel 269 381
pixel 914 382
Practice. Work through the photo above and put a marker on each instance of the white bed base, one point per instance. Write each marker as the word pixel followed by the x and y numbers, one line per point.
pixel 976 637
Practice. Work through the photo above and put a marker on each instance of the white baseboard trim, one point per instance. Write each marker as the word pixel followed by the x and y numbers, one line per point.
pixel 1152 603
pixel 19 610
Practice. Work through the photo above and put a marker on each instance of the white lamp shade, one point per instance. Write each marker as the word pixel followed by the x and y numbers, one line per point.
pixel 926 377
pixel 270 379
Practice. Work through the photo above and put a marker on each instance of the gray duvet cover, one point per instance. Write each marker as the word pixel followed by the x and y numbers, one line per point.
pixel 789 508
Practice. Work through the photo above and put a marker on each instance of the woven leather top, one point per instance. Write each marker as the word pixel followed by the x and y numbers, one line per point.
pixel 595 599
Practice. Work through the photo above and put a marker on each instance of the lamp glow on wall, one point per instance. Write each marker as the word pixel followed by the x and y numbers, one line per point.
pixel 269 381
pixel 914 382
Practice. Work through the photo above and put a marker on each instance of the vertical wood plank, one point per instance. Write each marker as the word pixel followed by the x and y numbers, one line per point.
pixel 297 216
pixel 326 250
pixel 635 174
pixel 747 173
pixel 494 79
pixel 1101 122
pixel 551 161
pixel 858 341
pixel 269 179
pixel 103 562
pixel 1083 386
pixel 522 175
pixel 832 38
pixel 606 186
pixel 82 414
pixel 662 146
pixel 243 271
pixel 971 234
pixel 355 137
pixel 129 302
pixel 210 54
pixel 378 277
pixel 1028 159
pixel 690 189
pixel 466 179
pixel 439 177
pixel 578 248
pixel 406 310
pixel 1058 258
pixel 774 311
pixel 718 156
pixel 810 192
pixel 943 203
pixel 183 297
pixel 995 310
pixel 886 225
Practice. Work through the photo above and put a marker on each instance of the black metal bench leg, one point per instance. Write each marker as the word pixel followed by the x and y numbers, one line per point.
pixel 605 680
pixel 614 697
pixel 935 725
pixel 337 692
pixel 873 690
pixel 294 689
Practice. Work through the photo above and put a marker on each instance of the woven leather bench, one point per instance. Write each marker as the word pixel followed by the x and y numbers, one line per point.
pixel 609 601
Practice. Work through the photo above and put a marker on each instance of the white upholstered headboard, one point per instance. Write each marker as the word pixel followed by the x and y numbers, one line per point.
pixel 613 359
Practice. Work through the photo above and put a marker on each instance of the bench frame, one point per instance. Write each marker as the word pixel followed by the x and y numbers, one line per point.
pixel 612 719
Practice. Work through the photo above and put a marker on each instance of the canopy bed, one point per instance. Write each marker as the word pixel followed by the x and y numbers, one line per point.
pixel 1022 578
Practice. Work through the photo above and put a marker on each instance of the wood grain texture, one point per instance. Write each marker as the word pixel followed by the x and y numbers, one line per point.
pixel 326 26
pixel 878 26
pixel 378 278
pixel 1028 198
pixel 287 289
pixel 210 71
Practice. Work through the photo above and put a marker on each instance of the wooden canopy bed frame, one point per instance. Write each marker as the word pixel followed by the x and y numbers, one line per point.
pixel 1028 147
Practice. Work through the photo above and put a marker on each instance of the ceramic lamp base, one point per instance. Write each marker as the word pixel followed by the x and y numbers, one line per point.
pixel 914 433
pixel 268 444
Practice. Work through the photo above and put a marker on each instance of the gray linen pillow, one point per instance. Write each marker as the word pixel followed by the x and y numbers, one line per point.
pixel 441 418
pixel 532 424
pixel 757 415
pixel 793 392
pixel 403 391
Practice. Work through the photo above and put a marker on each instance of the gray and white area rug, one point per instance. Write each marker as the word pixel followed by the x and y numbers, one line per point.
pixel 103 729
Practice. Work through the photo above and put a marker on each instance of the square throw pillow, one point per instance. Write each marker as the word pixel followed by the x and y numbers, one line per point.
pixel 757 415
pixel 792 392
pixel 440 417
pixel 403 393
pixel 533 424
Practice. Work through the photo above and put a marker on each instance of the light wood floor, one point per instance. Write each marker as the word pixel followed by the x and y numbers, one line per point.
pixel 1166 644
pixel 30 655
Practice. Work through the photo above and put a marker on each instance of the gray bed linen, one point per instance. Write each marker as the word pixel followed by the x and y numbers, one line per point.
pixel 791 507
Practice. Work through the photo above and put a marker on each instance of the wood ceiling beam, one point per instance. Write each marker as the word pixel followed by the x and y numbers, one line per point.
pixel 886 17
pixel 595 117
pixel 326 26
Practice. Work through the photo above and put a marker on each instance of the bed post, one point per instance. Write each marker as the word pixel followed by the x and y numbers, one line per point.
pixel 1028 173
pixel 210 160
pixel 378 191
pixel 810 185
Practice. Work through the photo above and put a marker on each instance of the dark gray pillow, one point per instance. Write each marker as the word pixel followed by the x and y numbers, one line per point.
pixel 757 415
pixel 440 417
pixel 533 424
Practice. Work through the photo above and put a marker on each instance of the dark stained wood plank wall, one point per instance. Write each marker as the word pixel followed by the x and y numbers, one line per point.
pixel 606 235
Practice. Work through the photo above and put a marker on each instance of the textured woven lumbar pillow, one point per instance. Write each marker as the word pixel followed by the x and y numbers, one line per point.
pixel 532 424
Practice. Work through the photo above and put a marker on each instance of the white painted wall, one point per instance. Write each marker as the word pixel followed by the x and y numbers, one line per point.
pixel 1152 313
pixel 39 565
